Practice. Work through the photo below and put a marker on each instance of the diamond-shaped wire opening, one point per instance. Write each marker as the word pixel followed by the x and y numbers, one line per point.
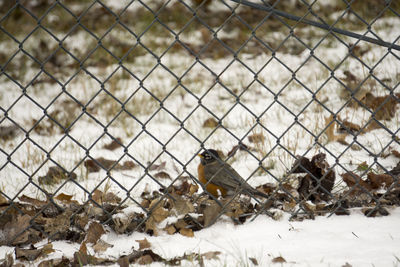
pixel 121 43
pixel 59 20
pixel 22 68
pixel 18 16
pixel 97 19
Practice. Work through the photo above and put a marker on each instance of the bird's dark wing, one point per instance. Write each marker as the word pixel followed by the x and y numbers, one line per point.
pixel 222 174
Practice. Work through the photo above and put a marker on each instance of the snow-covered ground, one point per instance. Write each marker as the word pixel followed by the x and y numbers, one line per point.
pixel 181 83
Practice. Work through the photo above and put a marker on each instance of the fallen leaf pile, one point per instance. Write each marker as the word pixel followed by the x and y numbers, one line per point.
pixel 180 209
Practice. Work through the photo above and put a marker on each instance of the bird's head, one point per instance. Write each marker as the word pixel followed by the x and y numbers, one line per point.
pixel 210 155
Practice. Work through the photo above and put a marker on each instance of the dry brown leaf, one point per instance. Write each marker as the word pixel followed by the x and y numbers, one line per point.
pixel 256 138
pixel 354 181
pixel 254 261
pixel 97 196
pixel 170 229
pixel 330 131
pixel 145 260
pixel 158 214
pixel 14 232
pixel 278 260
pixel 54 175
pixel 182 205
pixel 64 198
pixel 102 163
pixel 210 123
pixel 33 253
pixel 110 197
pixel 83 248
pixel 3 200
pixel 158 167
pixel 143 244
pixel 186 232
pixel 55 262
pixel 180 224
pixel 7 132
pixel 8 260
pixel 127 165
pixel 58 224
pixel 101 246
pixel 27 254
pixel 162 175
pixel 211 255
pixel 383 106
pixel 210 213
pixel 33 201
pixel 193 189
pixel 396 153
pixel 114 144
pixel 379 180
pixel 94 232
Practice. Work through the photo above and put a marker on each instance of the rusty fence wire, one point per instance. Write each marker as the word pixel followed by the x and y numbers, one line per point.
pixel 82 79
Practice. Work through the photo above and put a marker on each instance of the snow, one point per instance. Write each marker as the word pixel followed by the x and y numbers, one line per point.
pixel 325 241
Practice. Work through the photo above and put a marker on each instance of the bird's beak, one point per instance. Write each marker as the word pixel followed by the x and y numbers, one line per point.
pixel 200 155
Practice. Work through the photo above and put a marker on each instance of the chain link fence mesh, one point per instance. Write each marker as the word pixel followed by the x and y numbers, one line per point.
pixel 105 107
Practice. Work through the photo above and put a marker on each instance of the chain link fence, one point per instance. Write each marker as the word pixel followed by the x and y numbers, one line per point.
pixel 105 107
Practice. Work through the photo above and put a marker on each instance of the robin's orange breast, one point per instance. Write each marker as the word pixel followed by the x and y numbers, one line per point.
pixel 211 188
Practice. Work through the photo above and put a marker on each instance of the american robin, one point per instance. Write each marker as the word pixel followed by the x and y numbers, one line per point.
pixel 220 178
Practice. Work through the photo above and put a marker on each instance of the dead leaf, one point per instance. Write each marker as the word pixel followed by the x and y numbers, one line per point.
pixel 331 129
pixel 379 180
pixel 278 260
pixel 3 200
pixel 127 165
pixel 8 132
pixel 182 205
pixel 143 244
pixel 8 260
pixel 383 106
pixel 186 232
pixel 210 123
pixel 101 246
pixel 33 253
pixel 54 175
pixel 33 201
pixel 162 175
pixel 354 181
pixel 158 214
pixel 106 164
pixel 158 167
pixel 210 213
pixel 170 229
pixel 27 254
pixel 395 153
pixel 115 143
pixel 211 255
pixel 256 138
pixel 145 260
pixel 348 127
pixel 234 149
pixel 319 180
pixel 17 231
pixel 396 170
pixel 55 262
pixel 83 248
pixel 64 198
pixel 94 232
pixel 254 261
